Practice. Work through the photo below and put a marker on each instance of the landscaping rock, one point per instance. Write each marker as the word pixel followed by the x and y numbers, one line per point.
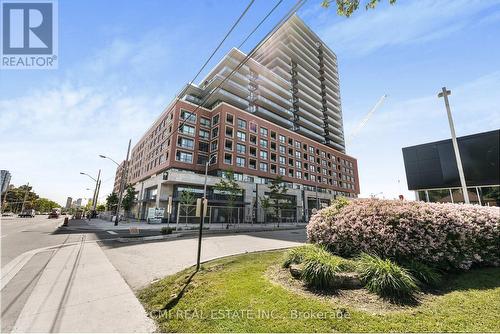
pixel 347 281
pixel 296 270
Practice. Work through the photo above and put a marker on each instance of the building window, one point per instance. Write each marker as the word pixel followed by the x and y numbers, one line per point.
pixel 242 124
pixel 263 166
pixel 298 164
pixel 282 139
pixel 240 162
pixel 282 160
pixel 282 149
pixel 202 159
pixel 263 143
pixel 215 120
pixel 204 121
pixel 241 135
pixel 185 142
pixel 188 116
pixel 203 146
pixel 311 150
pixel 240 148
pixel 187 129
pixel 252 164
pixel 297 145
pixel 263 132
pixel 263 155
pixel 253 139
pixel 298 175
pixel 273 146
pixel 214 145
pixel 229 131
pixel 273 135
pixel 282 171
pixel 215 132
pixel 273 157
pixel 253 151
pixel 204 134
pixel 229 118
pixel 184 157
pixel 253 127
pixel 228 145
pixel 228 158
pixel 298 155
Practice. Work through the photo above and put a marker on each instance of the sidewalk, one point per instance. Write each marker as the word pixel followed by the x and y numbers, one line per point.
pixel 81 291
pixel 99 224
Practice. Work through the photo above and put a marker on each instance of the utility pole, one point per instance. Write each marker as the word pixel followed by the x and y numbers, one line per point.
pixel 444 94
pixel 122 184
pixel 94 199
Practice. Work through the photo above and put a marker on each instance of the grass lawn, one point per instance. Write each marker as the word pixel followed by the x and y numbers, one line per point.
pixel 235 295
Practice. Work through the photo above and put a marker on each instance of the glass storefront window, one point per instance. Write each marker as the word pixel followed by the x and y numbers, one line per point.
pixel 439 195
pixel 490 196
pixel 458 197
pixel 421 196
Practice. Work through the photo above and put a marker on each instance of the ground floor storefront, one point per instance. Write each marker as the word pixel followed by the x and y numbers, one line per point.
pixel 176 193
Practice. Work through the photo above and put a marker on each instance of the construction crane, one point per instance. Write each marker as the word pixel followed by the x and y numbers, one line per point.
pixel 363 122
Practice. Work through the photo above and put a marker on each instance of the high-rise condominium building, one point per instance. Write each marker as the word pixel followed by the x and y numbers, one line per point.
pixel 278 114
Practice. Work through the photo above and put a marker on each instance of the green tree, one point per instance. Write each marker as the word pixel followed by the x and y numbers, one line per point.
pixel 112 202
pixel 347 7
pixel 229 187
pixel 101 208
pixel 128 199
pixel 278 191
pixel 265 204
pixel 187 201
pixel 44 205
pixel 16 197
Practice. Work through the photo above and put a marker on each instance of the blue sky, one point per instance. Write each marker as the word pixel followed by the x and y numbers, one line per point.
pixel 121 63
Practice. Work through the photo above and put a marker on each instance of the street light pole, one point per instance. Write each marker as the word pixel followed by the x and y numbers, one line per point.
pixel 122 183
pixel 203 212
pixel 444 94
pixel 94 199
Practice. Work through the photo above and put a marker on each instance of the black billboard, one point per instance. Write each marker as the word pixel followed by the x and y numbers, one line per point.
pixel 433 165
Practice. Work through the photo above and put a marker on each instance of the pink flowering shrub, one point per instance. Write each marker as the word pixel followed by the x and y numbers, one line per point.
pixel 444 235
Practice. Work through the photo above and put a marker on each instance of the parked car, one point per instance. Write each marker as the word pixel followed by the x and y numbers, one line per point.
pixel 29 213
pixel 7 214
pixel 54 213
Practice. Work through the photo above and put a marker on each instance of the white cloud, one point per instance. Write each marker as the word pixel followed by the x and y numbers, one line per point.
pixel 50 134
pixel 400 123
pixel 402 24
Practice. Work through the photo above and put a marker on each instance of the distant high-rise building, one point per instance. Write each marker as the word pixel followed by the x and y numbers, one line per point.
pixel 78 202
pixel 69 201
pixel 4 180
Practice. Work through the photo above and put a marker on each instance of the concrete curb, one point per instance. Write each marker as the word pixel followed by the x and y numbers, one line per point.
pixel 195 232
